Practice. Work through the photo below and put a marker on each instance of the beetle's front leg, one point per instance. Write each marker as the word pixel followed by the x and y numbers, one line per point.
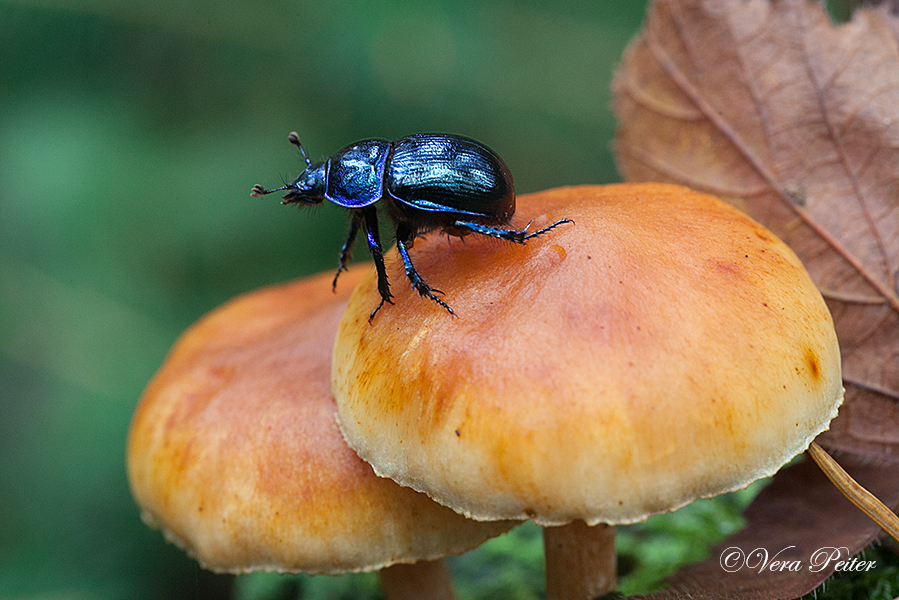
pixel 404 238
pixel 347 250
pixel 370 220
pixel 511 235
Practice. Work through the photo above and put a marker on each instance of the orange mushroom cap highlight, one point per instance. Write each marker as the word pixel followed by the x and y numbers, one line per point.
pixel 235 454
pixel 663 348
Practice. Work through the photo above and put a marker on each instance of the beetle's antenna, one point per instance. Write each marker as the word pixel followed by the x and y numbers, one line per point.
pixel 294 139
pixel 258 190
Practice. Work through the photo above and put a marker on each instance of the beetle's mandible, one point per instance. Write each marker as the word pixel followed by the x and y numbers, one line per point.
pixel 428 181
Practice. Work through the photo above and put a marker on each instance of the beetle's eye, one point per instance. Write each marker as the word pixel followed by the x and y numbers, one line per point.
pixel 311 181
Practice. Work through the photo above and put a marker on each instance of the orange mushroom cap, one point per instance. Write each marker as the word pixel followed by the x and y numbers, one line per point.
pixel 235 454
pixel 663 348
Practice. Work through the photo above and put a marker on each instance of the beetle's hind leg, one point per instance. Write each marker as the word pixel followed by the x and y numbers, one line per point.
pixel 519 236
pixel 545 229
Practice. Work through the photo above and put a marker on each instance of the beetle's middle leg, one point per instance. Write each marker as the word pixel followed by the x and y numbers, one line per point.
pixel 519 236
pixel 347 250
pixel 404 237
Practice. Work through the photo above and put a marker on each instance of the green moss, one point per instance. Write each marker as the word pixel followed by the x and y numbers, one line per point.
pixel 879 583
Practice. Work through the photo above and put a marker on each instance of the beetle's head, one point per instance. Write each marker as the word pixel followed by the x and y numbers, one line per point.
pixel 308 188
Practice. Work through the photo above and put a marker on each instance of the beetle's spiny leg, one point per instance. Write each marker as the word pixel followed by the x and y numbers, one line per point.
pixel 371 317
pixel 510 235
pixel 545 229
pixel 370 218
pixel 346 251
pixel 415 279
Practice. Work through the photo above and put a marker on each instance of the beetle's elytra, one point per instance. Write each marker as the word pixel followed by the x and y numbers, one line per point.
pixel 428 180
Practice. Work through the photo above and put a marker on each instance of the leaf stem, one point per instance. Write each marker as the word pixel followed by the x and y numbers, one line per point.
pixel 854 492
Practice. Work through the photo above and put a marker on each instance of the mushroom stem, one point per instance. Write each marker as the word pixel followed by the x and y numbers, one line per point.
pixel 423 579
pixel 580 561
pixel 854 492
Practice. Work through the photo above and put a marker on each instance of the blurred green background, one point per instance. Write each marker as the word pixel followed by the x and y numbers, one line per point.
pixel 130 135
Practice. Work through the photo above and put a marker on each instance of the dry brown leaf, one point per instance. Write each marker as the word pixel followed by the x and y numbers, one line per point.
pixel 793 519
pixel 795 121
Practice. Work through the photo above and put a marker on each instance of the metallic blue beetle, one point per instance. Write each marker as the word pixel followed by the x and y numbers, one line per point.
pixel 428 181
